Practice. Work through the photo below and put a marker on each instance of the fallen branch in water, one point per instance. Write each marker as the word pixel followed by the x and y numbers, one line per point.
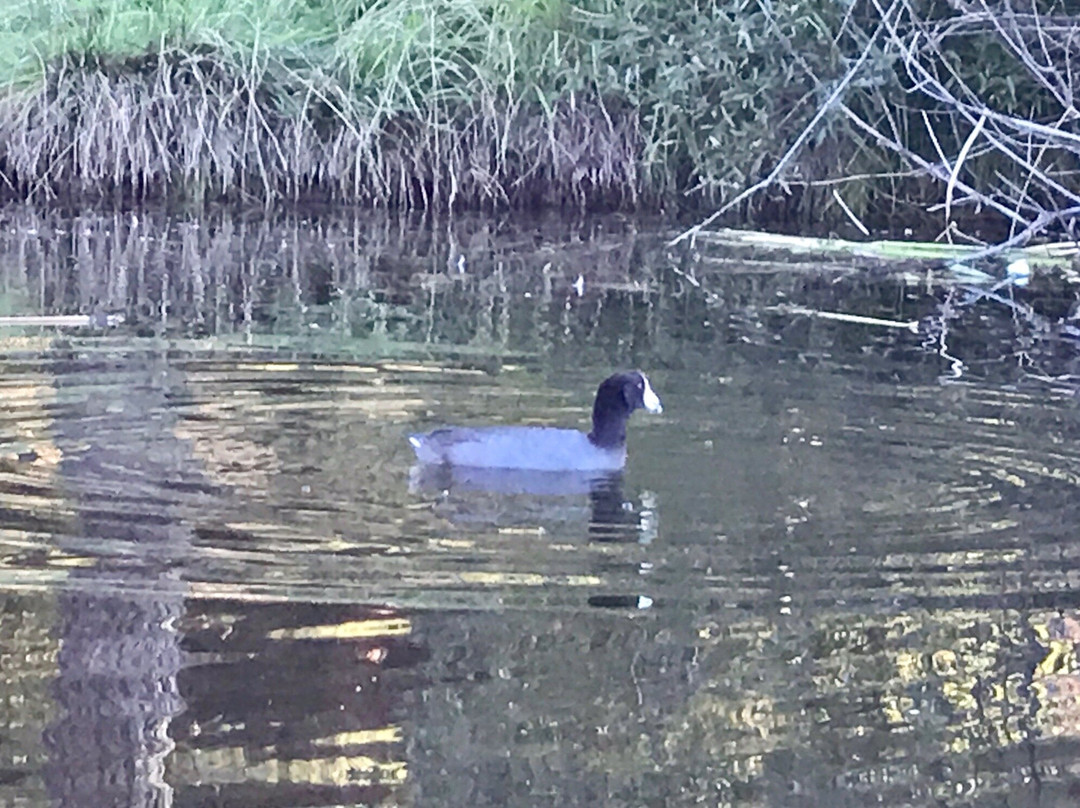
pixel 64 320
pixel 908 325
pixel 1059 255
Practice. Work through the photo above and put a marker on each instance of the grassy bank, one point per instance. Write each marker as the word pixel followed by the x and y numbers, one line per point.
pixel 431 103
pixel 810 113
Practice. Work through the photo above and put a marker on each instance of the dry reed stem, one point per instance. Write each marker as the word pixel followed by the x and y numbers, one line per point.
pixel 191 125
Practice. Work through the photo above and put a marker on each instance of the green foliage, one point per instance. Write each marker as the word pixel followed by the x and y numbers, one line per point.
pixel 38 33
pixel 489 102
pixel 690 92
pixel 722 87
pixel 654 96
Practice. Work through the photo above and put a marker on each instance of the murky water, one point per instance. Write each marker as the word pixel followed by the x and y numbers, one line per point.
pixel 841 568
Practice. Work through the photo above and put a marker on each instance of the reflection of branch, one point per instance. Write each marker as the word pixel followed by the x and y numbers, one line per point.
pixel 858 319
pixel 938 334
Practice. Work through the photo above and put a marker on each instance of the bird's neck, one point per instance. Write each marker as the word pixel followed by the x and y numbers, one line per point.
pixel 609 433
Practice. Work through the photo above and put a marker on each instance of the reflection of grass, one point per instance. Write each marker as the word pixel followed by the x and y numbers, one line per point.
pixel 12 303
pixel 372 285
pixel 344 345
pixel 361 286
pixel 30 644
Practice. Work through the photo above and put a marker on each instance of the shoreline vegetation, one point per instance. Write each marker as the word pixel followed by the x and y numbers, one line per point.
pixel 953 121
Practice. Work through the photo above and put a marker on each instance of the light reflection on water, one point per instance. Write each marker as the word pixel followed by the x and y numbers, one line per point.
pixel 831 571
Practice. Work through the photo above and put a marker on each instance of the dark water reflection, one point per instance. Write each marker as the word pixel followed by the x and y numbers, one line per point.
pixel 841 568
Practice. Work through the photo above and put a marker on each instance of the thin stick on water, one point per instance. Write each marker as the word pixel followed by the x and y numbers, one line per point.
pixel 908 325
pixel 63 320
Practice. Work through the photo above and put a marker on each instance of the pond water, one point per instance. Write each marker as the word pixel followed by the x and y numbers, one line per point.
pixel 842 567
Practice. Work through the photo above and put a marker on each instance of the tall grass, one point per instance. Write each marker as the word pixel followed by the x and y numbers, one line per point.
pixel 417 103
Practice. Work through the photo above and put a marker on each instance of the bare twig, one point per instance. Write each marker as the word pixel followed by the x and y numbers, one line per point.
pixel 950 186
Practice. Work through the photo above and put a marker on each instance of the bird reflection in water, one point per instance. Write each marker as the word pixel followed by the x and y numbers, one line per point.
pixel 560 496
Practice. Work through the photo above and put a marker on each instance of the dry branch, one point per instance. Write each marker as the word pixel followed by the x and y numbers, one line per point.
pixel 1016 158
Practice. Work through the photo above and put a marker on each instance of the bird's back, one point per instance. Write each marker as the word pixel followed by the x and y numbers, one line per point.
pixel 516 447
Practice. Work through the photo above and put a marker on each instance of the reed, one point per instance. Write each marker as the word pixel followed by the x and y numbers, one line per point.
pixel 410 103
pixel 806 115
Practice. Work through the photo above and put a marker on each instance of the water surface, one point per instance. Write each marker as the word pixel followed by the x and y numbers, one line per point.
pixel 840 568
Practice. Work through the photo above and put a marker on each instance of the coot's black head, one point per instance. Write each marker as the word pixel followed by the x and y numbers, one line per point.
pixel 616 398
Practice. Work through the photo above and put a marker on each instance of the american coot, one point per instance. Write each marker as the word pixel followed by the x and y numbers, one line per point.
pixel 546 448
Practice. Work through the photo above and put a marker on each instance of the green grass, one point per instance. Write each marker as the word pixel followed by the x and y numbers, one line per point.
pixel 415 103
pixel 428 103
pixel 583 104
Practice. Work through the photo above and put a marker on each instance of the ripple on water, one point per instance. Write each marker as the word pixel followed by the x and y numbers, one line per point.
pixel 830 572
